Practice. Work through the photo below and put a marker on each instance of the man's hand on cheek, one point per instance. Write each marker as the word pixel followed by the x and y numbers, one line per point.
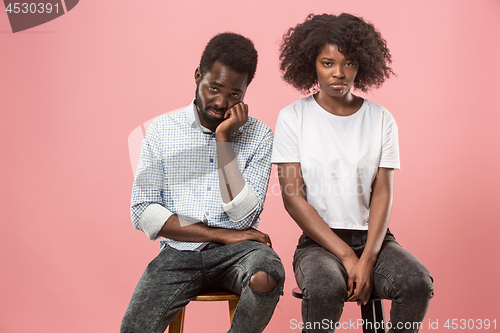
pixel 235 117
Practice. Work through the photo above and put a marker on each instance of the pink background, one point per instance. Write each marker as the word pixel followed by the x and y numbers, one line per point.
pixel 72 90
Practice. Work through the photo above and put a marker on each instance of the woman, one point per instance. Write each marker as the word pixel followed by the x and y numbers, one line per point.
pixel 336 153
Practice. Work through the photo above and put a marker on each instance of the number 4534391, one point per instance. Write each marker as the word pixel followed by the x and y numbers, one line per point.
pixel 32 8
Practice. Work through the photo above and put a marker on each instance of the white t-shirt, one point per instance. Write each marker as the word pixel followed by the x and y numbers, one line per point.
pixel 339 156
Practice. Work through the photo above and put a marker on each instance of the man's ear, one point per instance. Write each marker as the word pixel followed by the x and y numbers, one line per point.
pixel 197 75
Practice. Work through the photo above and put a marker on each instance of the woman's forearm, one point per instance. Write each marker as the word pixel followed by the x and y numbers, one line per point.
pixel 380 212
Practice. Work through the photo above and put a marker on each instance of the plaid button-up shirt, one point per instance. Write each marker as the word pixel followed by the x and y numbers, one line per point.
pixel 178 174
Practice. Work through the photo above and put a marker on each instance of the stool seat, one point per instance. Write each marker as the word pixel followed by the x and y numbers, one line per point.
pixel 216 296
pixel 177 324
pixel 371 312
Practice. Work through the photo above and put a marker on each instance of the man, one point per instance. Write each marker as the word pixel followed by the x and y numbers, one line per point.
pixel 201 183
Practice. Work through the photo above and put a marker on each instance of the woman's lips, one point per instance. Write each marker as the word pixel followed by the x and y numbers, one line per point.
pixel 338 85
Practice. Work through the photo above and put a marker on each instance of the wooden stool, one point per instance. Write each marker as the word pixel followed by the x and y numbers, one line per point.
pixel 177 324
pixel 371 312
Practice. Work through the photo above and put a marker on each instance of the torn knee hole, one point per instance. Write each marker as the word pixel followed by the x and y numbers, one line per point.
pixel 262 282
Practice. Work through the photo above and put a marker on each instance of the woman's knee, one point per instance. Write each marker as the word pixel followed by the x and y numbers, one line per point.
pixel 323 292
pixel 321 283
pixel 417 285
pixel 405 274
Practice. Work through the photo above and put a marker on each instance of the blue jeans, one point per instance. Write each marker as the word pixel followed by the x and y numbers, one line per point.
pixel 175 277
pixel 398 276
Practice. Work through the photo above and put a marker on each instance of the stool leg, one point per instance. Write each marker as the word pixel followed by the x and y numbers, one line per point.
pixel 378 307
pixel 368 316
pixel 232 306
pixel 373 317
pixel 177 324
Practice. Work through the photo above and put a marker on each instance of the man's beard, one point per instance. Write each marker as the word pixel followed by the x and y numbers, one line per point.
pixel 203 111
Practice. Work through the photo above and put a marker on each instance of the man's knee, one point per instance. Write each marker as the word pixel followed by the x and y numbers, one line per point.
pixel 262 282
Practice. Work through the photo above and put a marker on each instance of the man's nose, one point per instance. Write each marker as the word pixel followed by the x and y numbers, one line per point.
pixel 221 102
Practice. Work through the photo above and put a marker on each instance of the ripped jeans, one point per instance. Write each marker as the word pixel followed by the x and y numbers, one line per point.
pixel 397 276
pixel 175 277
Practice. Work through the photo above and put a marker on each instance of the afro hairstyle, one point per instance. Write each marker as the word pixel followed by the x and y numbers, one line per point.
pixel 357 39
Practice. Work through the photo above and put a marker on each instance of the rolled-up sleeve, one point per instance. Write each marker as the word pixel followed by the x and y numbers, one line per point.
pixel 147 212
pixel 242 205
pixel 246 207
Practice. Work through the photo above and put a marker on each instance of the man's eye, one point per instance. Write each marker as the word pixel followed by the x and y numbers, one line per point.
pixel 235 95
pixel 212 88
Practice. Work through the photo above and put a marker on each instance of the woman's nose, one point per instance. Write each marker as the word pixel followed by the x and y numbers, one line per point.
pixel 338 72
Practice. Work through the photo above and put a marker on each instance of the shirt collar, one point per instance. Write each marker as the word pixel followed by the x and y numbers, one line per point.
pixel 192 116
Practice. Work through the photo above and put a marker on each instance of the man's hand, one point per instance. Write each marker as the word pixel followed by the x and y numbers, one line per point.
pixel 360 282
pixel 231 236
pixel 235 117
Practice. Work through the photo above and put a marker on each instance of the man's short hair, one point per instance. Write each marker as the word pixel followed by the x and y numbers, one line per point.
pixel 231 50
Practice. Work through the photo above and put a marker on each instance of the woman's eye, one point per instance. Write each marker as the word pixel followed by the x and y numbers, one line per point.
pixel 348 64
pixel 327 63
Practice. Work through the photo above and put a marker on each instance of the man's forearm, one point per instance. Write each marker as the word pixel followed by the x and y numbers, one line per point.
pixel 231 181
pixel 238 198
pixel 181 230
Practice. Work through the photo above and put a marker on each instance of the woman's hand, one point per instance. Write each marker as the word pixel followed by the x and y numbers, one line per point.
pixel 360 282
